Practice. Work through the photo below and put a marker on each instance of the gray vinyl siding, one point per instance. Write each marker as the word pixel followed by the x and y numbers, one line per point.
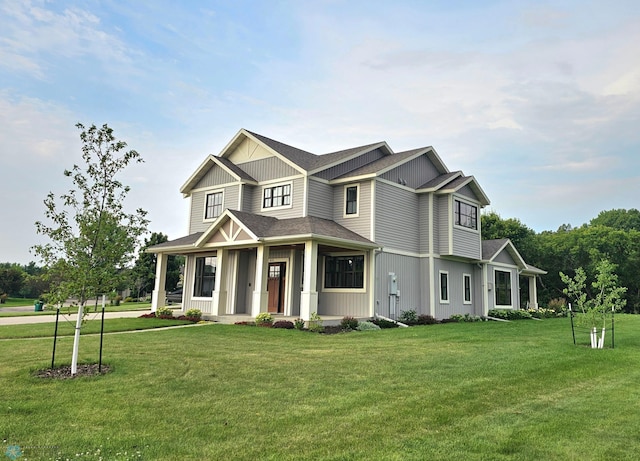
pixel 268 168
pixel 467 243
pixel 297 200
pixel 397 218
pixel 466 191
pixel 245 280
pixel 444 223
pixel 360 224
pixel 456 304
pixel 214 177
pixel 320 200
pixel 408 276
pixel 296 273
pixel 505 258
pixel 423 222
pixel 248 193
pixel 196 222
pixel 350 165
pixel 416 172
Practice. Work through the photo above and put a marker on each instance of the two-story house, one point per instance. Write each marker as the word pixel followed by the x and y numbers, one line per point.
pixel 357 232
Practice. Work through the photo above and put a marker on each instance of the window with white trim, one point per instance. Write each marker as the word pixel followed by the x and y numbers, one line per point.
pixel 466 286
pixel 444 287
pixel 503 288
pixel 213 205
pixel 351 200
pixel 205 277
pixel 344 271
pixel 466 215
pixel 276 196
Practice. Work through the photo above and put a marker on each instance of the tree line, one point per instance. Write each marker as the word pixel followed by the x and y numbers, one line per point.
pixel 613 235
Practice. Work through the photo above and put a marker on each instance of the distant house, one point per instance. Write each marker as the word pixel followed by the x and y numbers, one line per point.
pixel 357 232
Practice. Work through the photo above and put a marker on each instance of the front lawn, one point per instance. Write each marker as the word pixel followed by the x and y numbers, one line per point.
pixel 90 308
pixel 474 391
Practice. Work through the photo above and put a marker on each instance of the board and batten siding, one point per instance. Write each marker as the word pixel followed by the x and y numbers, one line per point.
pixel 505 258
pixel 416 172
pixel 397 224
pixel 320 199
pixel 467 192
pixel 360 224
pixel 297 201
pixel 343 304
pixel 196 220
pixel 268 169
pixel 408 276
pixel 350 165
pixel 248 191
pixel 214 177
pixel 456 304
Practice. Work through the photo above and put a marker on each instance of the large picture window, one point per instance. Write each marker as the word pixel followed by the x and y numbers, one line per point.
pixel 351 200
pixel 444 287
pixel 213 207
pixel 276 196
pixel 466 215
pixel 503 288
pixel 344 271
pixel 205 279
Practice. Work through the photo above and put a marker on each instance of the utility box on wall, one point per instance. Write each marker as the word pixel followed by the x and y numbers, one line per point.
pixel 393 283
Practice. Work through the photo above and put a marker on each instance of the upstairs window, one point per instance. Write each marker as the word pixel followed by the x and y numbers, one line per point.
pixel 344 271
pixel 276 196
pixel 213 205
pixel 205 279
pixel 466 215
pixel 351 200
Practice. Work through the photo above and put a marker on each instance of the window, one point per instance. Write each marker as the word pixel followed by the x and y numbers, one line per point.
pixel 344 271
pixel 205 279
pixel 466 285
pixel 276 196
pixel 503 288
pixel 213 206
pixel 351 200
pixel 466 215
pixel 444 287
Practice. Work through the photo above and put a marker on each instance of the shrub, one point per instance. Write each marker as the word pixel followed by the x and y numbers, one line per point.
pixel 510 314
pixel 382 323
pixel 426 320
pixel 128 299
pixel 349 323
pixel 298 324
pixel 195 314
pixel 465 318
pixel 367 326
pixel 247 323
pixel 164 312
pixel 283 324
pixel 409 317
pixel 315 323
pixel 264 319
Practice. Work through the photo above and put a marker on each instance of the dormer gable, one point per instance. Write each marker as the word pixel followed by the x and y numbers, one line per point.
pixel 218 171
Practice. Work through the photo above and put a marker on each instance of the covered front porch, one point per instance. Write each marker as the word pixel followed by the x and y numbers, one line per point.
pixel 247 264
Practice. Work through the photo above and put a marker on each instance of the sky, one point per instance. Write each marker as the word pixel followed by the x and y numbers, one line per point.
pixel 539 101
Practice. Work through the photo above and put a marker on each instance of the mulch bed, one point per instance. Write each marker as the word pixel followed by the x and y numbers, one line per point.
pixel 64 372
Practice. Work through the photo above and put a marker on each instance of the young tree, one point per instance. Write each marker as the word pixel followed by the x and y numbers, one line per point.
pixel 91 235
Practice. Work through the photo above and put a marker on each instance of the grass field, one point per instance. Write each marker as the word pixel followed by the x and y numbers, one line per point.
pixel 19 302
pixel 476 391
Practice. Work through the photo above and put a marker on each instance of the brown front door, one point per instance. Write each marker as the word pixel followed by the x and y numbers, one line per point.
pixel 275 287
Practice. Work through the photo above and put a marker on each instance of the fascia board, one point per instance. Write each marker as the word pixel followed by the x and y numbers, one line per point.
pixel 217 224
pixel 321 238
pixel 435 158
pixel 352 179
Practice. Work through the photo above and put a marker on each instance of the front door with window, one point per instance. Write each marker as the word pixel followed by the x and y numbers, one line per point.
pixel 275 287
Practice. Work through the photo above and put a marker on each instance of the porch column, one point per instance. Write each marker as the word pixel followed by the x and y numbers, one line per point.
pixel 159 295
pixel 485 291
pixel 533 293
pixel 219 294
pixel 260 295
pixel 309 295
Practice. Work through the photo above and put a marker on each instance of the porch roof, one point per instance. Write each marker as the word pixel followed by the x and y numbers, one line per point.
pixel 269 229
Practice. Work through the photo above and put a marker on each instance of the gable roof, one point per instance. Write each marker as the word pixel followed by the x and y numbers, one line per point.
pixel 268 229
pixel 492 248
pixel 238 173
pixel 459 182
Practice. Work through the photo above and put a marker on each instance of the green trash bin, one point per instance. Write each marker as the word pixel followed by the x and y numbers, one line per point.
pixel 38 306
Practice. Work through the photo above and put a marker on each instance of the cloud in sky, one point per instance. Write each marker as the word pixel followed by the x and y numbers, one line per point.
pixel 540 102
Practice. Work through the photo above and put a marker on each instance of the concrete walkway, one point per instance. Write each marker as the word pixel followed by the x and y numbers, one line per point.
pixel 30 319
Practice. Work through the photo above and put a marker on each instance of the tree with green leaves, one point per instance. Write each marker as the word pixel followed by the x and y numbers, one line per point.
pixel 92 236
pixel 144 270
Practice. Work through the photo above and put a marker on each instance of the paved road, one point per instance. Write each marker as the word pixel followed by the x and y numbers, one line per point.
pixel 27 319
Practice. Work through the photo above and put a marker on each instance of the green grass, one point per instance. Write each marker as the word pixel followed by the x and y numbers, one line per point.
pixel 67 328
pixel 476 391
pixel 17 302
